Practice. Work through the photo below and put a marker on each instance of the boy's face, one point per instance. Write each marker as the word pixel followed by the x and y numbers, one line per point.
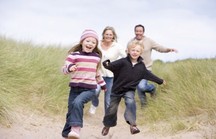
pixel 89 44
pixel 135 51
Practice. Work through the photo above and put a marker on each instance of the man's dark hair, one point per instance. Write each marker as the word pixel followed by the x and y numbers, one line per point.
pixel 139 25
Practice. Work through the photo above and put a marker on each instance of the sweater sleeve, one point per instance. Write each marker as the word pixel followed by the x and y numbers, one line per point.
pixel 100 81
pixel 113 66
pixel 106 63
pixel 121 51
pixel 68 63
pixel 158 47
pixel 150 76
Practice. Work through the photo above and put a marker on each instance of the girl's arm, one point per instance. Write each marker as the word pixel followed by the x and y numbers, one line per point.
pixel 100 81
pixel 69 65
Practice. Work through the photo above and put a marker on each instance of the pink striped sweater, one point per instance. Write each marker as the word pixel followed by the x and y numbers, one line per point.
pixel 86 72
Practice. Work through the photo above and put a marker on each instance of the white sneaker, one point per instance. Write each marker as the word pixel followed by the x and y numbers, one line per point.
pixel 74 133
pixel 92 109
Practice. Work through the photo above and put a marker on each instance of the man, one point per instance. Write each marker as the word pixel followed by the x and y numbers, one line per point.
pixel 149 45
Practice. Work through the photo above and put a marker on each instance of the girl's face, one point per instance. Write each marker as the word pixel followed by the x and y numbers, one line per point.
pixel 135 51
pixel 139 33
pixel 108 36
pixel 89 44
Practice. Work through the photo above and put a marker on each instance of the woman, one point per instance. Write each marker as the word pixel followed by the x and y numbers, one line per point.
pixel 110 50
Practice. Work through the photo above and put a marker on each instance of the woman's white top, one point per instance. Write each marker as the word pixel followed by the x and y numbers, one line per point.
pixel 115 52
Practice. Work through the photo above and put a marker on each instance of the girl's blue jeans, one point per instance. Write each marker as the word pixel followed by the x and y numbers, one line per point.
pixel 77 98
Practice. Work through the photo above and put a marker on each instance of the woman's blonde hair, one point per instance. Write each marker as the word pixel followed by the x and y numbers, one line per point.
pixel 113 31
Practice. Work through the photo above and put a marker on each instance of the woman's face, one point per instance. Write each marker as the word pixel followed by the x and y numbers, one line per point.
pixel 89 44
pixel 108 36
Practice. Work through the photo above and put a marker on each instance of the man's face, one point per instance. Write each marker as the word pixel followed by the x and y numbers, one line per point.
pixel 139 33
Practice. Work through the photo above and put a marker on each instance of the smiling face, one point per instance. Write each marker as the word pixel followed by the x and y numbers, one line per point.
pixel 89 44
pixel 139 32
pixel 108 36
pixel 135 50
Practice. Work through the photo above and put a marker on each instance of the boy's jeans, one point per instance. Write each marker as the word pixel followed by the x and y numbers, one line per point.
pixel 110 118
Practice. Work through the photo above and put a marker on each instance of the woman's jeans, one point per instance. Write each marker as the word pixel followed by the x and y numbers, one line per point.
pixel 110 118
pixel 77 98
pixel 95 99
pixel 142 88
pixel 109 84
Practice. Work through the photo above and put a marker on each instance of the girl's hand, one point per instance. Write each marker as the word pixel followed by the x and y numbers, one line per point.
pixel 73 68
pixel 105 90
pixel 164 82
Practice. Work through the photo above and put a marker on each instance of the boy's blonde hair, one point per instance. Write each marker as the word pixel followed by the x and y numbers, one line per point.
pixel 133 44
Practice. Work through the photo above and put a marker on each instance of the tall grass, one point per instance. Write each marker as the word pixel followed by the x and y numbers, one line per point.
pixel 31 78
pixel 190 92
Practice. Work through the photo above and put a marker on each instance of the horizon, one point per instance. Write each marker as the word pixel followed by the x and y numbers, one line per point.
pixel 188 26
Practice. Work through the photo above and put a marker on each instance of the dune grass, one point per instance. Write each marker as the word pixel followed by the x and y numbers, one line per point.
pixel 190 92
pixel 31 78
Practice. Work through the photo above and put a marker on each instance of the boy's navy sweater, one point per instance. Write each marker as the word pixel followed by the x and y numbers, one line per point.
pixel 127 76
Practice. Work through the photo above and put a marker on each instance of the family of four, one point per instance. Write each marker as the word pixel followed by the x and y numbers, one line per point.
pixel 120 74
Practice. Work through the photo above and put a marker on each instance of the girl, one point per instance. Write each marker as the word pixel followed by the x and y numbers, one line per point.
pixel 127 74
pixel 82 63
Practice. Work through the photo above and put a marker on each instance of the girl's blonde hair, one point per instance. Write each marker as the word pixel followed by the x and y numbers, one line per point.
pixel 113 31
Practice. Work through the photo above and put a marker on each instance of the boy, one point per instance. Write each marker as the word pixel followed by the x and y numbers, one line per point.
pixel 127 72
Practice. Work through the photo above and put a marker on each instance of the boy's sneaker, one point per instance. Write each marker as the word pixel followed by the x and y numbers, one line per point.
pixel 105 131
pixel 92 109
pixel 74 133
pixel 134 129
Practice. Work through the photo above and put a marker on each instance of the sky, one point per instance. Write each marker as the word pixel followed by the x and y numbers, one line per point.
pixel 186 25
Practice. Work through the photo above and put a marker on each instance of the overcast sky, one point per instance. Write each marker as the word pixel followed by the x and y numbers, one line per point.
pixel 187 25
